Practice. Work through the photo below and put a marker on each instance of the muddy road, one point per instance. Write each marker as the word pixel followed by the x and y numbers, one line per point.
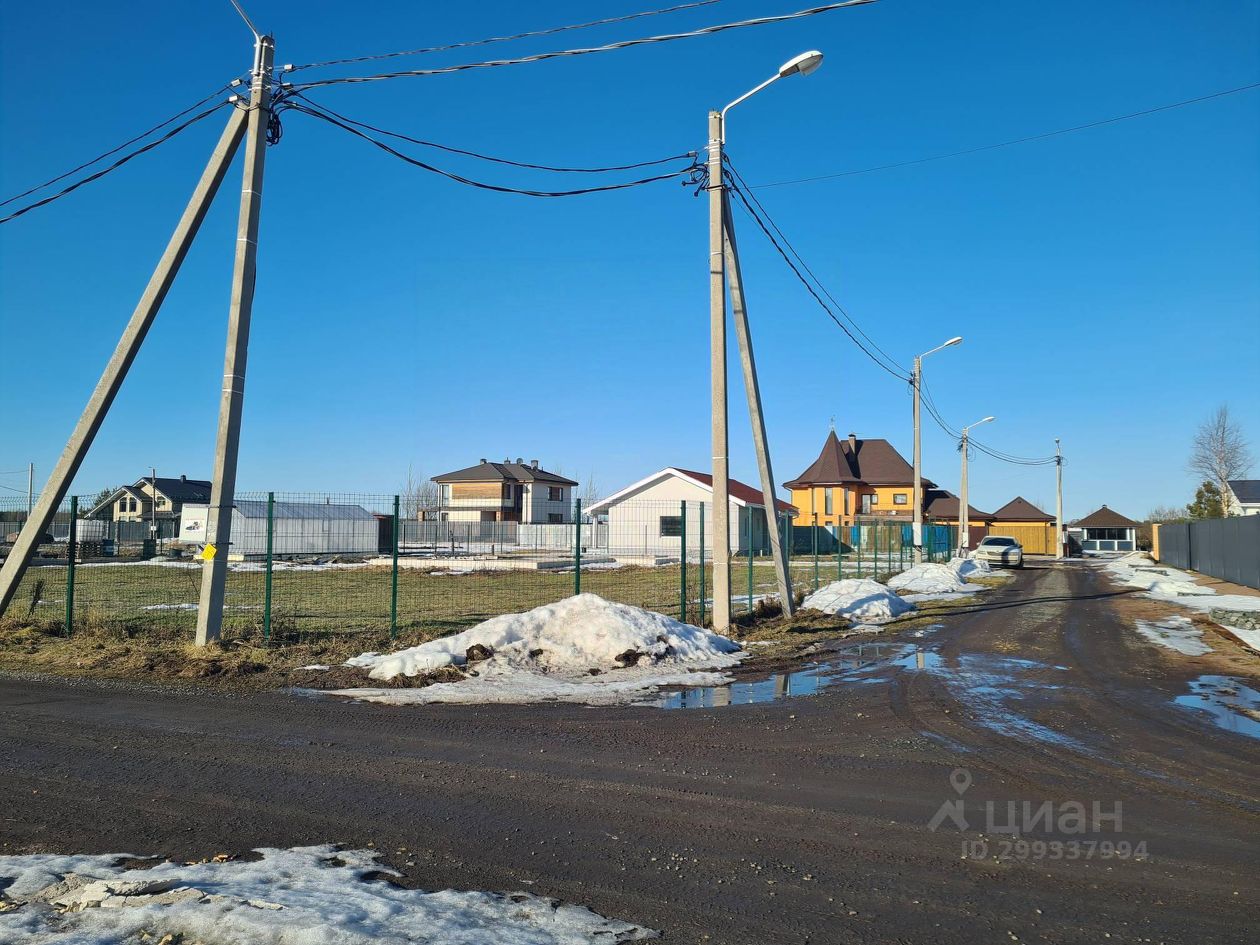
pixel 870 812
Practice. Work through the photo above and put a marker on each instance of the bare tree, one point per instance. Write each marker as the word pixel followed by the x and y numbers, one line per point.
pixel 420 493
pixel 590 492
pixel 1167 513
pixel 1220 452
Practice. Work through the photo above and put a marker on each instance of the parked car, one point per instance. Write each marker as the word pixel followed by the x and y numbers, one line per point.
pixel 998 549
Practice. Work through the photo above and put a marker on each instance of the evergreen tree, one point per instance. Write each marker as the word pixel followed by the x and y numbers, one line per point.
pixel 1207 502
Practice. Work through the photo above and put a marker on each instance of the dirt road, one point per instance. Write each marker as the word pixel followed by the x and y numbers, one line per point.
pixel 801 820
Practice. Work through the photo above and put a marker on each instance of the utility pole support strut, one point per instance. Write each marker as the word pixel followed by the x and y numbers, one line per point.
pixel 58 484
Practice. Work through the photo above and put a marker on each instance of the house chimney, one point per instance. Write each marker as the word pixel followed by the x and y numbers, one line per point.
pixel 482 460
pixel 519 461
pixel 183 477
pixel 853 443
pixel 533 464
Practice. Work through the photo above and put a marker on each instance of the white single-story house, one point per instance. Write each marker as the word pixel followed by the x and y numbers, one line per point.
pixel 1243 497
pixel 649 517
pixel 1105 530
pixel 298 528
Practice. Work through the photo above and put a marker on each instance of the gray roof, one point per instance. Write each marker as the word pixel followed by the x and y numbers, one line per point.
pixel 181 489
pixel 1245 490
pixel 257 508
pixel 503 472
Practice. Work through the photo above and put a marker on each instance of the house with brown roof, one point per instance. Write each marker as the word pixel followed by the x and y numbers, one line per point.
pixel 943 508
pixel 505 492
pixel 655 515
pixel 1105 530
pixel 853 477
pixel 1027 524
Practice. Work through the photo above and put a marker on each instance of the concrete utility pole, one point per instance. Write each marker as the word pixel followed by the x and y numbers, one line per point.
pixel 916 380
pixel 54 491
pixel 227 445
pixel 717 382
pixel 1058 503
pixel 917 531
pixel 964 514
pixel 743 335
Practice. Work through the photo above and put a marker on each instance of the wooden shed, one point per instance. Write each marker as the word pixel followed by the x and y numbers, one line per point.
pixel 1027 524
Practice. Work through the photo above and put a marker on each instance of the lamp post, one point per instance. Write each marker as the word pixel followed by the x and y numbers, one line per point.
pixel 917 381
pixel 803 64
pixel 1058 499
pixel 964 519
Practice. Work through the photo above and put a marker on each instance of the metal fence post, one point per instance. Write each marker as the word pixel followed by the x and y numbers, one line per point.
pixel 840 548
pixel 702 564
pixel 875 553
pixel 682 557
pixel 71 551
pixel 271 532
pixel 815 532
pixel 749 530
pixel 393 591
pixel 577 547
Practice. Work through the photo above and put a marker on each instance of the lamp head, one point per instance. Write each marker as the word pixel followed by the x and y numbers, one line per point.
pixel 803 64
pixel 953 341
pixel 988 419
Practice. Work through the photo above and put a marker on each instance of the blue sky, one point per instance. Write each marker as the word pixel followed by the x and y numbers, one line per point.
pixel 1107 282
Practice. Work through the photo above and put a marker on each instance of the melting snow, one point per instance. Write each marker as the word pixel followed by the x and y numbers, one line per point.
pixel 302 896
pixel 1176 633
pixel 930 578
pixel 858 599
pixel 548 654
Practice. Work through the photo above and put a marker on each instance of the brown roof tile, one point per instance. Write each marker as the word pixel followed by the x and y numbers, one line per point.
pixel 874 462
pixel 740 490
pixel 943 504
pixel 1020 509
pixel 1105 518
pixel 503 472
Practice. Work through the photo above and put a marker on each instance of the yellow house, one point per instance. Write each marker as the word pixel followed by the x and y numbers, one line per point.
pixel 852 478
pixel 147 499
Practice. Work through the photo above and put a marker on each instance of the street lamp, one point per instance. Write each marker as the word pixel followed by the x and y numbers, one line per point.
pixel 917 382
pixel 803 64
pixel 964 523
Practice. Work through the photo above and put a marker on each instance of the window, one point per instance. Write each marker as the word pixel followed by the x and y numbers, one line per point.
pixel 875 498
pixel 444 494
pixel 848 505
pixel 899 498
pixel 1107 534
pixel 555 493
pixel 828 501
pixel 671 526
pixel 555 518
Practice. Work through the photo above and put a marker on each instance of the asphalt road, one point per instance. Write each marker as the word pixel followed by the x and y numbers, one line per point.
pixel 804 820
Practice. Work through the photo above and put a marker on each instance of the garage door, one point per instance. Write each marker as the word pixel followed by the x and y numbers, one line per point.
pixel 1036 539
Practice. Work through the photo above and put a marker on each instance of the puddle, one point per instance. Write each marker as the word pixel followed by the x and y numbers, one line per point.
pixel 986 683
pixel 1232 705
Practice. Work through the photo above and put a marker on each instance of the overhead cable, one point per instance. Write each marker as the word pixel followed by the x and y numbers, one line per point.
pixel 589 50
pixel 486 157
pixel 501 39
pixel 687 172
pixel 112 151
pixel 113 167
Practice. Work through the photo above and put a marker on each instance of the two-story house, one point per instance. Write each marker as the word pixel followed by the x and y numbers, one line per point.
pixel 148 499
pixel 505 492
pixel 853 477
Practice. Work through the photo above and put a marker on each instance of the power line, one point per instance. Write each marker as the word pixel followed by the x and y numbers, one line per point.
pixel 486 157
pixel 113 167
pixel 586 51
pixel 748 207
pixel 1013 141
pixel 888 359
pixel 112 151
pixel 501 39
pixel 688 172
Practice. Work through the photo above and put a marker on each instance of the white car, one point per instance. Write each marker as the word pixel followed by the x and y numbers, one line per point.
pixel 998 549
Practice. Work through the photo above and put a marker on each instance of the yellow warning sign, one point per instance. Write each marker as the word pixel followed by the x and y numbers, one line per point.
pixel 208 552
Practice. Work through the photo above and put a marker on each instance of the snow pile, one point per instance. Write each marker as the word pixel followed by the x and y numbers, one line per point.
pixel 965 566
pixel 930 578
pixel 1176 633
pixel 583 649
pixel 859 599
pixel 312 895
